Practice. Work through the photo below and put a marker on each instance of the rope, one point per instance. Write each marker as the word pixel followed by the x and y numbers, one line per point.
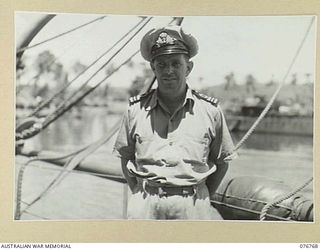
pixel 249 200
pixel 61 54
pixel 248 210
pixel 264 112
pixel 21 174
pixel 265 209
pixel 110 59
pixel 22 169
pixel 59 35
pixel 38 216
pixel 268 106
pixel 63 108
pixel 41 106
pixel 119 178
pixel 74 162
pixel 45 124
pixel 17 214
pixel 70 165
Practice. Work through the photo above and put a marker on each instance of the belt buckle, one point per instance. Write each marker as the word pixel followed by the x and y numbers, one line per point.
pixel 161 192
pixel 192 191
pixel 185 193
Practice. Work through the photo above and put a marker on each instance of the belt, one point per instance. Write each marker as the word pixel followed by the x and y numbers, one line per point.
pixel 165 191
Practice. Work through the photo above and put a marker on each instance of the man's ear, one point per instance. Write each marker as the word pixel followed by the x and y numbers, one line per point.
pixel 189 67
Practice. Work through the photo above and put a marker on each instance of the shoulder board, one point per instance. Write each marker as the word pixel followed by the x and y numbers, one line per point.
pixel 137 98
pixel 212 100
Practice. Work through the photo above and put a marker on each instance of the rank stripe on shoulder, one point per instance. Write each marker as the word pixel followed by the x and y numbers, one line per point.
pixel 137 98
pixel 212 100
pixel 134 99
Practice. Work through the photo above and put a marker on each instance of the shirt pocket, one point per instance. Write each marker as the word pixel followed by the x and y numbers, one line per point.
pixel 143 149
pixel 196 147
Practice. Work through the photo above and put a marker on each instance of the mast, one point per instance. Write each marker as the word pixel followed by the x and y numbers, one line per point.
pixel 32 29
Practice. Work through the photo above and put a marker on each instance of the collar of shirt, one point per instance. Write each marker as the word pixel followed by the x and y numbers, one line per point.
pixel 154 100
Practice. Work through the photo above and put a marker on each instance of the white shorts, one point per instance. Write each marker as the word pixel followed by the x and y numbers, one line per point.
pixel 143 205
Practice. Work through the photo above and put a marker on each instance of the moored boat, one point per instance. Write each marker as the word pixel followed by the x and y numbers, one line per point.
pixel 296 125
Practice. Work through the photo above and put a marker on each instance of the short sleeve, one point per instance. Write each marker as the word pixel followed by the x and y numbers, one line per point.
pixel 221 147
pixel 125 146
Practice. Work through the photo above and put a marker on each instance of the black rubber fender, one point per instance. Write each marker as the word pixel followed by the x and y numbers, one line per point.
pixel 243 198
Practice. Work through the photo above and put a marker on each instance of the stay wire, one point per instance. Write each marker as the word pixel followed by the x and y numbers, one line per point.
pixel 63 108
pixel 18 211
pixel 18 208
pixel 67 104
pixel 262 115
pixel 82 72
pixel 38 75
pixel 70 165
pixel 265 209
pixel 59 35
pixel 46 123
pixel 268 106
pixel 67 107
pixel 82 87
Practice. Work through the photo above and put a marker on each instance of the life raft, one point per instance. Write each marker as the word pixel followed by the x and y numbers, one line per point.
pixel 244 197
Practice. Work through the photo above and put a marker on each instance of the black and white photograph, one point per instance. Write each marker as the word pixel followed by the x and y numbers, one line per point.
pixel 127 117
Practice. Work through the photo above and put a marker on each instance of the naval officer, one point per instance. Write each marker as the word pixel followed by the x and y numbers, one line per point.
pixel 173 142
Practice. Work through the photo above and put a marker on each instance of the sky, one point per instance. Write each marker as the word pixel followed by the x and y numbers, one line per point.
pixel 263 46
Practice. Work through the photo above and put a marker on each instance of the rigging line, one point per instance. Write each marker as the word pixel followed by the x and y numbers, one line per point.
pixel 109 60
pixel 250 200
pixel 71 165
pixel 268 106
pixel 18 210
pixel 60 157
pixel 38 216
pixel 37 127
pixel 102 67
pixel 41 106
pixel 65 108
pixel 17 213
pixel 23 169
pixel 21 172
pixel 63 52
pixel 265 209
pixel 248 210
pixel 59 35
pixel 62 106
pixel 118 178
pixel 261 116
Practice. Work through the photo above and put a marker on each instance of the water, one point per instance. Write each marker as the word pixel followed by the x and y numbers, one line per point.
pixel 282 157
pixel 76 129
pixel 285 157
pixel 276 142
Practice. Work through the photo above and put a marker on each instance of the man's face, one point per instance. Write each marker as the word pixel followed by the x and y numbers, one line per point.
pixel 171 72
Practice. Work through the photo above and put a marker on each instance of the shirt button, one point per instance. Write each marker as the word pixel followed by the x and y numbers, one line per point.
pixel 170 143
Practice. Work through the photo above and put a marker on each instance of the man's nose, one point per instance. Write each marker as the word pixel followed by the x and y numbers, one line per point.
pixel 169 69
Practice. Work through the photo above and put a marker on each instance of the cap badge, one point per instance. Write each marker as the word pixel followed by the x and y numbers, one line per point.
pixel 164 39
